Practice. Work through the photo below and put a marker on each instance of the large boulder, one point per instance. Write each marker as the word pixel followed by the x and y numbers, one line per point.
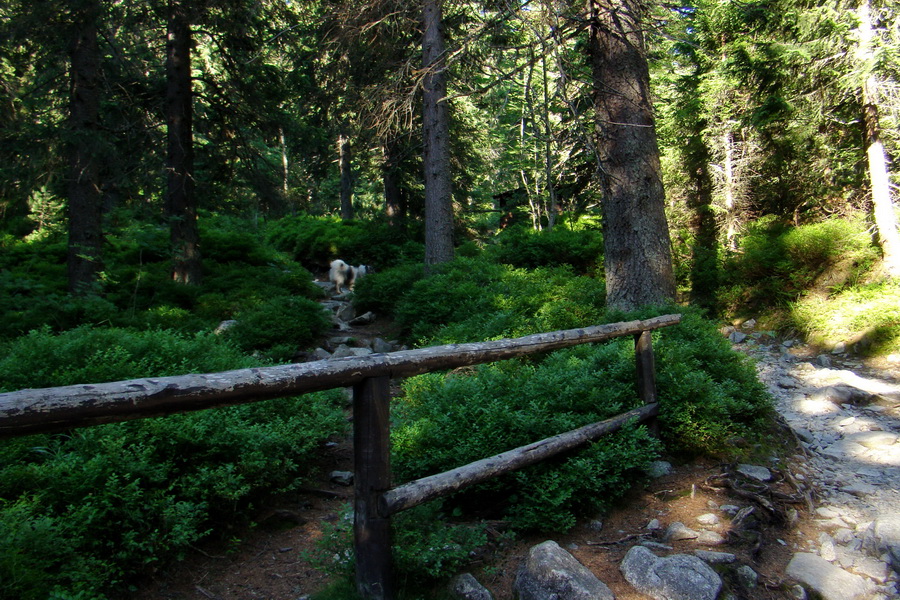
pixel 676 577
pixel 551 573
pixel 829 581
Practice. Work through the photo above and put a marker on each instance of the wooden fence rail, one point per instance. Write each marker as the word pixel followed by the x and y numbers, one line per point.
pixel 62 408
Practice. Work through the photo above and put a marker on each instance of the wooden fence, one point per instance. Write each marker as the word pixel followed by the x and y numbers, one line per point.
pixel 62 408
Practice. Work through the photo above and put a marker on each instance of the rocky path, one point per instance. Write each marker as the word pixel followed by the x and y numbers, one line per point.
pixel 846 417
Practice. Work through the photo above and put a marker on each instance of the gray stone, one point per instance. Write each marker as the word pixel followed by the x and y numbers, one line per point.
pixel 341 477
pixel 872 568
pixel 466 587
pixel 755 472
pixel 344 351
pixel 381 346
pixel 886 531
pixel 737 337
pixel 345 312
pixel 659 468
pixel 551 573
pixel 828 580
pixel 715 558
pixel 747 578
pixel 225 326
pixel 320 354
pixel 654 525
pixel 823 360
pixel 363 319
pixel 678 531
pixel 708 519
pixel 676 577
pixel 730 509
pixel 710 538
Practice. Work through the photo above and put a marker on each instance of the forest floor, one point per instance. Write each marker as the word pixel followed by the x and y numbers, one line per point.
pixel 272 560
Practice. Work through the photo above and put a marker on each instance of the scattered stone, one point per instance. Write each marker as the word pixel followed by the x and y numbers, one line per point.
pixel 710 538
pixel 839 348
pixel 343 351
pixel 828 580
pixel 596 525
pixel 678 531
pixel 320 354
pixel 659 468
pixel 676 577
pixel 656 546
pixel 874 439
pixel 551 573
pixel 737 337
pixel 341 477
pixel 874 569
pixel 715 558
pixel 823 360
pixel 708 519
pixel 730 509
pixel 748 324
pixel 382 347
pixel 747 578
pixel 363 319
pixel 886 531
pixel 654 525
pixel 755 472
pixel 225 326
pixel 466 587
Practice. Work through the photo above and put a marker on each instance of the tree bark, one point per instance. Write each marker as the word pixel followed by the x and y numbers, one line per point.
pixel 346 178
pixel 394 202
pixel 638 260
pixel 181 203
pixel 85 200
pixel 883 207
pixel 436 139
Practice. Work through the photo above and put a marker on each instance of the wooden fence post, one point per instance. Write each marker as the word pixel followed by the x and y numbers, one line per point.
pixel 372 477
pixel 645 364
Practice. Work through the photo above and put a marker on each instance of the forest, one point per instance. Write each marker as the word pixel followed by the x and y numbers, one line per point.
pixel 503 167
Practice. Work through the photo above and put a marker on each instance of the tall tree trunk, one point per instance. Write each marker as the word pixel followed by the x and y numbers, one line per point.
pixel 553 202
pixel 394 202
pixel 436 139
pixel 638 259
pixel 85 200
pixel 883 208
pixel 285 172
pixel 346 178
pixel 730 197
pixel 181 207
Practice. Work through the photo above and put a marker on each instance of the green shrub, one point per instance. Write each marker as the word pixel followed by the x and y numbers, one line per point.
pixel 474 299
pixel 87 511
pixel 777 263
pixel 316 241
pixel 709 396
pixel 379 292
pixel 525 247
pixel 446 421
pixel 279 327
pixel 426 545
pixel 869 312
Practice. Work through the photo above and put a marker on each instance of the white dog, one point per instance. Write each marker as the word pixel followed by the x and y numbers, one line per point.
pixel 342 274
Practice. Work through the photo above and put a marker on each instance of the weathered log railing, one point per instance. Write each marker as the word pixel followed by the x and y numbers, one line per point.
pixel 56 409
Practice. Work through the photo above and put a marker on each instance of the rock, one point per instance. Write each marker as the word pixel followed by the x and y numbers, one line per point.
pixel 710 538
pixel 341 477
pixel 381 346
pixel 755 472
pixel 363 319
pixel 678 531
pixel 839 348
pixel 747 578
pixel 730 509
pixel 676 577
pixel 320 354
pixel 886 531
pixel 551 573
pixel 748 324
pixel 874 439
pixel 826 579
pixel 737 337
pixel 823 360
pixel 466 587
pixel 715 558
pixel 225 326
pixel 654 525
pixel 708 519
pixel 345 312
pixel 344 351
pixel 659 468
